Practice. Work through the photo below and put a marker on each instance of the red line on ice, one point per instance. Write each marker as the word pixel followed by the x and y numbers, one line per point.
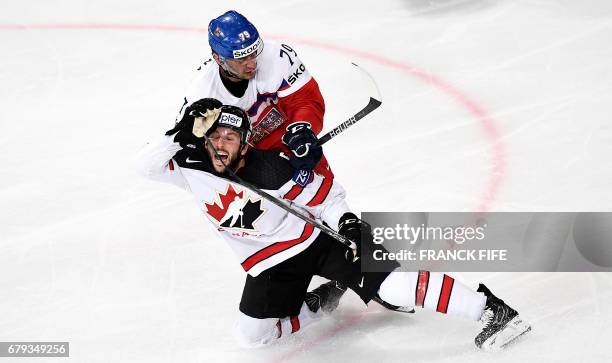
pixel 485 121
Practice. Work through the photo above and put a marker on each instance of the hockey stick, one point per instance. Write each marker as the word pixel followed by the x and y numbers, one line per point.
pixel 330 232
pixel 373 104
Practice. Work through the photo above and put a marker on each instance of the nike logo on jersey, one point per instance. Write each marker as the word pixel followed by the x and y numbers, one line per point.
pixel 188 160
pixel 361 283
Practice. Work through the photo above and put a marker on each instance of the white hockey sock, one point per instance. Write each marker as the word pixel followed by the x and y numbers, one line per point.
pixel 252 332
pixel 432 290
pixel 292 324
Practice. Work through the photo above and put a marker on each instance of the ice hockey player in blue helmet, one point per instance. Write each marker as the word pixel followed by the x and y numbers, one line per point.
pixel 270 82
pixel 236 44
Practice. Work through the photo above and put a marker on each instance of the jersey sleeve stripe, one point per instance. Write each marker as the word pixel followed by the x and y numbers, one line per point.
pixel 171 165
pixel 322 193
pixel 293 192
pixel 275 248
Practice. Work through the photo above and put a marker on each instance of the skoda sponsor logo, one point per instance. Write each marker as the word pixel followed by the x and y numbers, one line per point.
pixel 229 119
pixel 295 75
pixel 253 48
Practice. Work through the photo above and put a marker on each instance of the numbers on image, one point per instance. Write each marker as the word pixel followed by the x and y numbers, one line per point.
pixel 287 51
pixel 244 36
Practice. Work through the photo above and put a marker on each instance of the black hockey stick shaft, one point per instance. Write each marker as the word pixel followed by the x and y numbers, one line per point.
pixel 371 106
pixel 330 232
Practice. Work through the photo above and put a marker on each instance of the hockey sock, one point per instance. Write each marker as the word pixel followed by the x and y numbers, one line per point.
pixel 252 332
pixel 434 291
pixel 292 324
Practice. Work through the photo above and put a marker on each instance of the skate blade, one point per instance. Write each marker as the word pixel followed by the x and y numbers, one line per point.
pixel 513 330
pixel 399 309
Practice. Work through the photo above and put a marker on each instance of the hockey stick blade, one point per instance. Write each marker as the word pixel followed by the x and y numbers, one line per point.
pixel 374 103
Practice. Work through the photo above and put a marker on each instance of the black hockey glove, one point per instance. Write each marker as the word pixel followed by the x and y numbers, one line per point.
pixel 302 141
pixel 198 118
pixel 360 232
pixel 350 227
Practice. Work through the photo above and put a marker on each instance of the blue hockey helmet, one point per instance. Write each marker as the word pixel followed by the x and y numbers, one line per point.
pixel 232 36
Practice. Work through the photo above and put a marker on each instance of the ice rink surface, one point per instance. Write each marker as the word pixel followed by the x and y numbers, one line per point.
pixel 487 105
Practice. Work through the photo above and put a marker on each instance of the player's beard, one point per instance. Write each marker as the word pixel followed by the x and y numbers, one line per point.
pixel 231 161
pixel 234 162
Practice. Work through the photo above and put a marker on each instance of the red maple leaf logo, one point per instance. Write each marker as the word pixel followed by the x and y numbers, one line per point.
pixel 218 211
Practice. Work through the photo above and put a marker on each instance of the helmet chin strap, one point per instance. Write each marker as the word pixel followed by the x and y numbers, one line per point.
pixel 226 68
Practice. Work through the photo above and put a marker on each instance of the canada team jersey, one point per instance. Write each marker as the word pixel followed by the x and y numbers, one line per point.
pixel 260 233
pixel 281 92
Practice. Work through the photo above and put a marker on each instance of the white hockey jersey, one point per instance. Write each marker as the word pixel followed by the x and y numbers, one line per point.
pixel 280 73
pixel 260 233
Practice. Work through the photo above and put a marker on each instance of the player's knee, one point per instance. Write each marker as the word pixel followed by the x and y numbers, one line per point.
pixel 398 288
pixel 253 333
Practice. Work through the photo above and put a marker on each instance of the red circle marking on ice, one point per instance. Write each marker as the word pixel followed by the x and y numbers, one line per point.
pixel 482 117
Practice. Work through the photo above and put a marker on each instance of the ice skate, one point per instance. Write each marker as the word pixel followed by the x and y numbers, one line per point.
pixel 325 297
pixel 502 324
pixel 401 309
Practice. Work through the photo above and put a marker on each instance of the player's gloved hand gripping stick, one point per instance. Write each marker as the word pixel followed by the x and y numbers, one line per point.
pixel 300 139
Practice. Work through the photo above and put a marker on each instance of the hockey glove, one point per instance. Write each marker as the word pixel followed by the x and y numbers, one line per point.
pixel 350 227
pixel 301 140
pixel 198 118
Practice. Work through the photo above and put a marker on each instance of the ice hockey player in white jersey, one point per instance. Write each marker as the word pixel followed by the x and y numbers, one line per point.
pixel 268 79
pixel 270 82
pixel 280 252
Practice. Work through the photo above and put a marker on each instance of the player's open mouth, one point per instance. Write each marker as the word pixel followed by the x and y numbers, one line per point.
pixel 222 156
